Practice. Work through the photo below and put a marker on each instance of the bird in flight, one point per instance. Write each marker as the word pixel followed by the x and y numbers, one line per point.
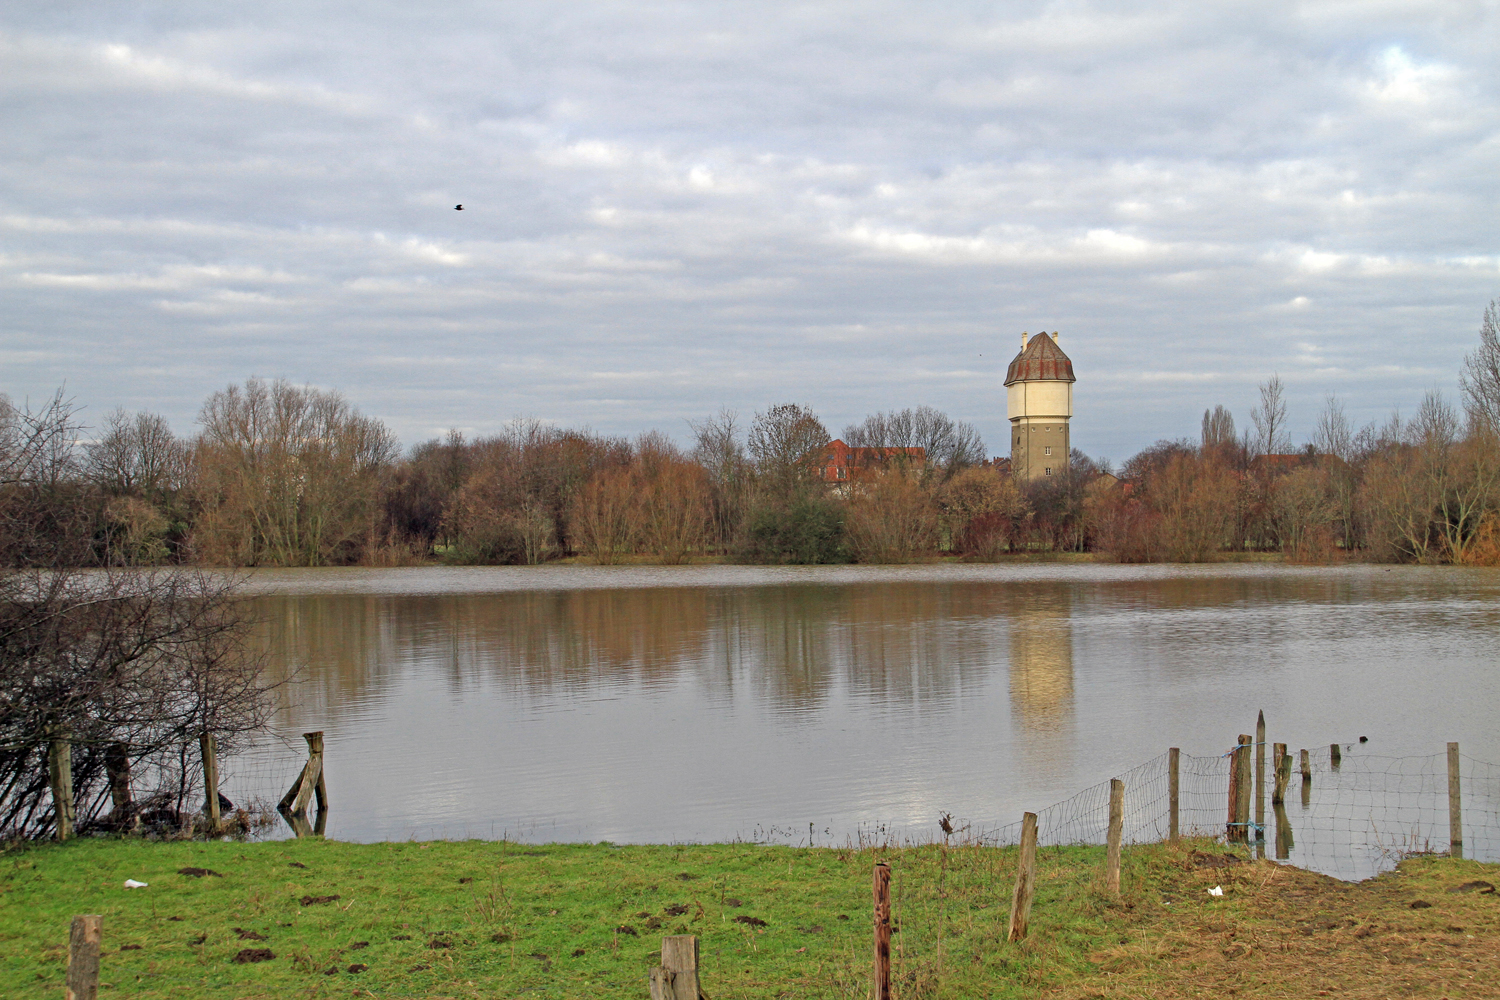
pixel 458 208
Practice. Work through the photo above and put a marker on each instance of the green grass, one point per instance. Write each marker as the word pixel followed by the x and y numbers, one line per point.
pixel 461 919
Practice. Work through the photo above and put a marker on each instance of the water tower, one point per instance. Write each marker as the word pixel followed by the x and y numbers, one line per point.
pixel 1039 402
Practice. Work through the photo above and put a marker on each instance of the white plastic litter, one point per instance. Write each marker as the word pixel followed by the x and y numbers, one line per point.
pixel 1217 890
pixel 131 883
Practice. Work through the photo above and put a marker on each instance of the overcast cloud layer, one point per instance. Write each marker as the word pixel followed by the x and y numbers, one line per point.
pixel 669 208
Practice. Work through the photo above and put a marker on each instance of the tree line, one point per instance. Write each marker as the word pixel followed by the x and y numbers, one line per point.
pixel 285 475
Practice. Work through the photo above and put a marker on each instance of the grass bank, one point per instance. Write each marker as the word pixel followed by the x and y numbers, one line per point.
pixel 484 919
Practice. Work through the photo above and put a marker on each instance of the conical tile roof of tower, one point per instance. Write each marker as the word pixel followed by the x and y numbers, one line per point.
pixel 1041 359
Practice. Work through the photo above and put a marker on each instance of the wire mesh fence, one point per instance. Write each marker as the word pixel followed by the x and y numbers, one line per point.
pixel 1351 817
pixel 1347 815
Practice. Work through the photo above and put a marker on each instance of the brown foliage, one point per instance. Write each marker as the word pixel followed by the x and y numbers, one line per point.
pixel 673 513
pixel 287 476
pixel 604 515
pixel 982 510
pixel 891 518
pixel 519 492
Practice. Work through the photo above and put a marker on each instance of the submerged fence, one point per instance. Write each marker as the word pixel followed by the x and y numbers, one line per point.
pixel 1349 815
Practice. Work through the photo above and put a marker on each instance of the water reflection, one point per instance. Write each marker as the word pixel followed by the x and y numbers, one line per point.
pixel 788 646
pixel 550 702
pixel 1041 662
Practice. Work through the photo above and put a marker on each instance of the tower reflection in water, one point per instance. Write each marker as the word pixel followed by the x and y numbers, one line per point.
pixel 1041 677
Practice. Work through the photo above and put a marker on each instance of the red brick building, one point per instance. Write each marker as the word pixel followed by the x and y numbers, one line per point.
pixel 842 464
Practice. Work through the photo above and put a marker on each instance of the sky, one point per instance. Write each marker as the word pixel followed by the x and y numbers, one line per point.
pixel 672 208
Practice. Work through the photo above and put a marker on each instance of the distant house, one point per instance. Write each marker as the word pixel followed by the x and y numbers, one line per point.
pixel 843 463
pixel 1273 464
pixel 998 465
pixel 1107 480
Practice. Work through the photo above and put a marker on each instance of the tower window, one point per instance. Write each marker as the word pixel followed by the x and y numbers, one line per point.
pixel 1047 450
pixel 1049 470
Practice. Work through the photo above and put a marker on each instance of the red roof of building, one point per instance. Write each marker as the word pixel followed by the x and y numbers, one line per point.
pixel 1040 360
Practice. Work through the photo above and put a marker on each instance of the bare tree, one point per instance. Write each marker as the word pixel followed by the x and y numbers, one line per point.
pixel 1334 434
pixel 136 664
pixel 891 519
pixel 719 451
pixel 1336 439
pixel 288 475
pixel 1479 381
pixel 605 514
pixel 36 446
pixel 949 445
pixel 1269 419
pixel 981 509
pixel 673 502
pixel 44 520
pixel 137 455
pixel 1218 429
pixel 785 442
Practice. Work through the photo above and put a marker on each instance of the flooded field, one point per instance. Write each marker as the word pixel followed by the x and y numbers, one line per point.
pixel 797 704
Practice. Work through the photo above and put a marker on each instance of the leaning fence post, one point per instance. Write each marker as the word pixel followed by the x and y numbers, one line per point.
pixel 1173 831
pixel 1116 829
pixel 1020 901
pixel 1335 756
pixel 1306 767
pixel 83 958
pixel 677 976
pixel 1455 806
pixel 1283 772
pixel 209 746
pixel 881 989
pixel 60 776
pixel 1260 776
pixel 293 805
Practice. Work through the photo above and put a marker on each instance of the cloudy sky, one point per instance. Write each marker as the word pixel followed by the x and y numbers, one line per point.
pixel 674 207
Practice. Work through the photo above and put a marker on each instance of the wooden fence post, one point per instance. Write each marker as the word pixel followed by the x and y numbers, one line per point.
pixel 881 988
pixel 1306 780
pixel 83 958
pixel 1260 776
pixel 1242 813
pixel 117 766
pixel 294 803
pixel 1239 791
pixel 1335 756
pixel 1234 794
pixel 1455 806
pixel 1116 830
pixel 60 776
pixel 1173 828
pixel 1020 901
pixel 1283 772
pixel 210 748
pixel 677 976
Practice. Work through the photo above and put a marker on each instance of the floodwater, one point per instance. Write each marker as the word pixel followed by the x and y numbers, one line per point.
pixel 819 703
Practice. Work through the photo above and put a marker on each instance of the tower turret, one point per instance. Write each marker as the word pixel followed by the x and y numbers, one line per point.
pixel 1039 402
